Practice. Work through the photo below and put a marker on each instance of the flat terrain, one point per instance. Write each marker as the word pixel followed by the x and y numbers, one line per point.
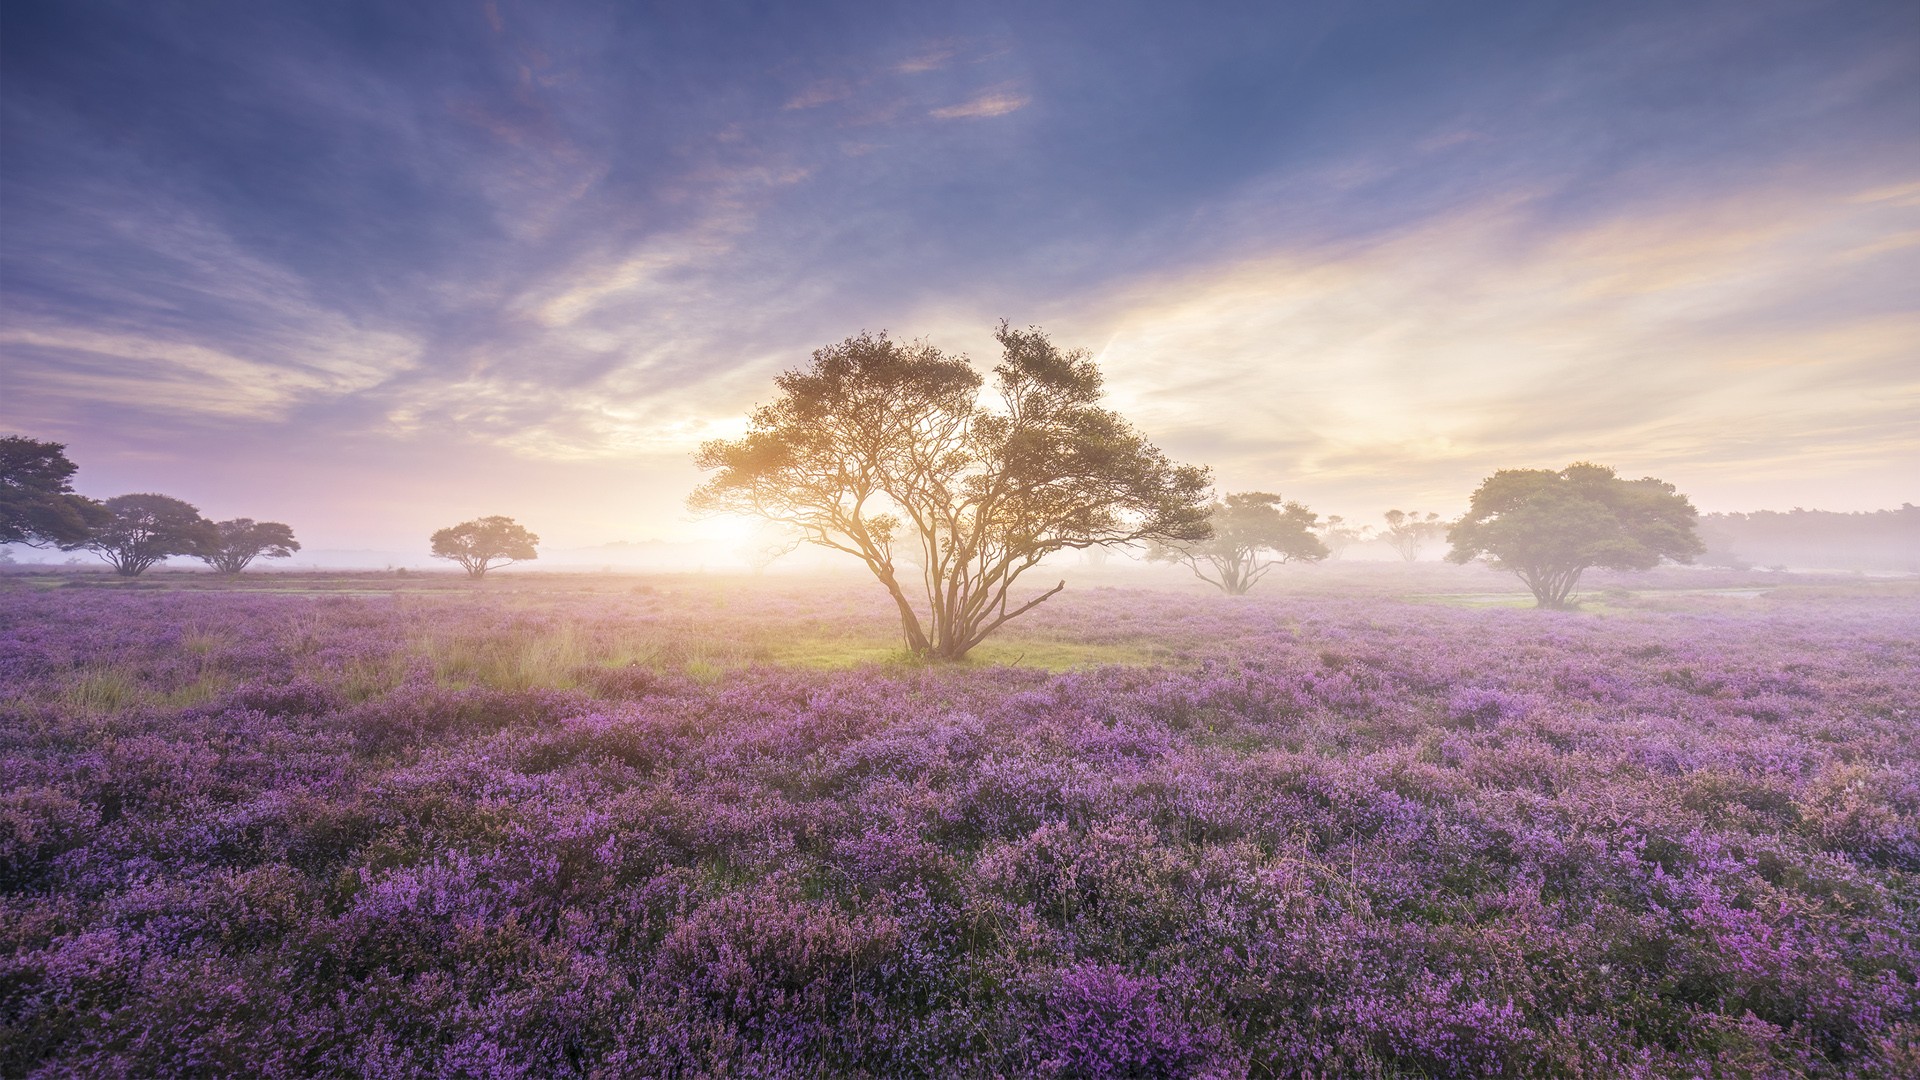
pixel 1371 820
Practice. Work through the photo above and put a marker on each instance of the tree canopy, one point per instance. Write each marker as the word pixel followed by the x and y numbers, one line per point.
pixel 37 504
pixel 233 544
pixel 882 449
pixel 141 530
pixel 1408 532
pixel 1549 527
pixel 485 543
pixel 1253 532
pixel 1338 536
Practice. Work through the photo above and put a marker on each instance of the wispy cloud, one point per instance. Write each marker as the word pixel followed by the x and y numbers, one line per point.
pixel 821 92
pixel 932 59
pixel 188 379
pixel 996 102
pixel 1660 339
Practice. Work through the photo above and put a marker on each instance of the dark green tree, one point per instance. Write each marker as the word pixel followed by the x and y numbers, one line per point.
pixel 883 450
pixel 141 530
pixel 484 543
pixel 1549 527
pixel 37 504
pixel 1253 532
pixel 233 544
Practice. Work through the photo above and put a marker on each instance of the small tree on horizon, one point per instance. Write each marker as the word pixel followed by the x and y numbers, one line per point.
pixel 1549 527
pixel 484 543
pixel 1409 532
pixel 1338 536
pixel 1253 532
pixel 881 449
pixel 233 544
pixel 142 530
pixel 38 506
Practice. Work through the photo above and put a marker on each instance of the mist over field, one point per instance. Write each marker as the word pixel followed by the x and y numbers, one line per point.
pixel 983 540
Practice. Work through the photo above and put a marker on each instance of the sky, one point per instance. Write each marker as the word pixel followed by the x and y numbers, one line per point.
pixel 374 268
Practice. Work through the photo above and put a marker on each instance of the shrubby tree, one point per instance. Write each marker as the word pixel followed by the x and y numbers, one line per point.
pixel 1408 533
pixel 141 530
pixel 37 504
pixel 1549 527
pixel 883 450
pixel 233 544
pixel 484 543
pixel 1338 536
pixel 1253 532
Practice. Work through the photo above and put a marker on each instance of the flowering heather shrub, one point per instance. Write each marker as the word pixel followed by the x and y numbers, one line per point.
pixel 516 833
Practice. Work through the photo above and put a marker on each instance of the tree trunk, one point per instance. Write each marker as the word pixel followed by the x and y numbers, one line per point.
pixel 1551 587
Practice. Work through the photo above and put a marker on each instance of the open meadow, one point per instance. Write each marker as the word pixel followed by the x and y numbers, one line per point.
pixel 1367 821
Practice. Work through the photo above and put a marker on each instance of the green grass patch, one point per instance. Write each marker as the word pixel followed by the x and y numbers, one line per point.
pixel 111 689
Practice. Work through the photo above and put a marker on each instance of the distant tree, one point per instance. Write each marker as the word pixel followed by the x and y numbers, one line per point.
pixel 1253 532
pixel 1549 527
pixel 881 450
pixel 141 530
pixel 238 542
pixel 1408 533
pixel 484 543
pixel 1338 536
pixel 1815 539
pixel 37 504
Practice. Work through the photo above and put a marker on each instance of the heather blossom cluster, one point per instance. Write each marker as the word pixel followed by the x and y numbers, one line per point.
pixel 592 831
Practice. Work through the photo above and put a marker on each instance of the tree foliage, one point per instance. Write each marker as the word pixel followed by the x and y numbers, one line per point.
pixel 1549 527
pixel 1408 532
pixel 882 449
pixel 141 530
pixel 1253 532
pixel 37 504
pixel 1338 536
pixel 233 544
pixel 485 543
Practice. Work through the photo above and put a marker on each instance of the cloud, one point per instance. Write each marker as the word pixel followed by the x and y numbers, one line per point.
pixel 186 378
pixel 996 102
pixel 183 321
pixel 1675 338
pixel 821 92
pixel 932 59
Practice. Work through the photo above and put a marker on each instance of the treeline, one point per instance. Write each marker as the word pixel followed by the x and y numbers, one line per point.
pixel 135 533
pixel 131 533
pixel 1815 539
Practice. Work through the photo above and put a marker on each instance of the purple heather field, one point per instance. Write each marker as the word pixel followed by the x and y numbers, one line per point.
pixel 1371 822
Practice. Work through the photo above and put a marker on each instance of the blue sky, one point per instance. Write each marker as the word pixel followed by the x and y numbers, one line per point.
pixel 373 268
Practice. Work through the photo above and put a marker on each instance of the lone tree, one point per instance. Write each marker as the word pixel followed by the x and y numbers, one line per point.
pixel 1339 536
pixel 1253 532
pixel 484 543
pixel 37 504
pixel 882 450
pixel 1549 527
pixel 236 543
pixel 1407 533
pixel 141 530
